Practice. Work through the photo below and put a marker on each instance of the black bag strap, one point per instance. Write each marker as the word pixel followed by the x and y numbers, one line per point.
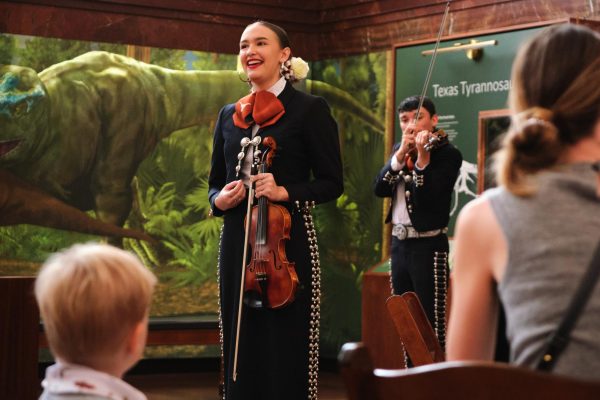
pixel 559 339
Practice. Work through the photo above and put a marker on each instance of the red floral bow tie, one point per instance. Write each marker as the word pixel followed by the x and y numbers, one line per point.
pixel 262 108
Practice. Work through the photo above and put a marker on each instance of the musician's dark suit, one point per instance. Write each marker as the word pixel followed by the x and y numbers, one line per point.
pixel 428 195
pixel 273 359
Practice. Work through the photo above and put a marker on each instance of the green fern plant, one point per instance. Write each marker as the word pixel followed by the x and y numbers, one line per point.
pixel 198 258
pixel 174 207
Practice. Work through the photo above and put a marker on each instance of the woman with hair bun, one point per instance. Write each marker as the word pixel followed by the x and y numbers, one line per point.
pixel 528 242
pixel 277 347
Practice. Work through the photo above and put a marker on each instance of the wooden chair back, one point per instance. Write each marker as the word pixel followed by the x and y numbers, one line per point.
pixel 456 380
pixel 414 329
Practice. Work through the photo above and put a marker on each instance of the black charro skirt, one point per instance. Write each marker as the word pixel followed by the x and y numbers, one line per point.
pixel 273 351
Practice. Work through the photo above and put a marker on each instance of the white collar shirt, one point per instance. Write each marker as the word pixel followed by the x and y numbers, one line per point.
pixel 276 89
pixel 71 380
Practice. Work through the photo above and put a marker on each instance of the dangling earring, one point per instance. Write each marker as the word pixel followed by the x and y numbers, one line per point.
pixel 284 69
pixel 243 77
pixel 241 73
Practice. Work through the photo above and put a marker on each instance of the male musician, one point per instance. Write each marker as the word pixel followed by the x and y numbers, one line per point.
pixel 420 183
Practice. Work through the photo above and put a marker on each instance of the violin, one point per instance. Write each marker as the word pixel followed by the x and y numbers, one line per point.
pixel 438 139
pixel 270 280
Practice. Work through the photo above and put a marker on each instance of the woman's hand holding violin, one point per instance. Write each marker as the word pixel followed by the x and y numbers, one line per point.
pixel 231 195
pixel 265 186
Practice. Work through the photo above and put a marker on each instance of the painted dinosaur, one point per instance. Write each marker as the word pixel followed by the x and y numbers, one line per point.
pixel 40 206
pixel 79 129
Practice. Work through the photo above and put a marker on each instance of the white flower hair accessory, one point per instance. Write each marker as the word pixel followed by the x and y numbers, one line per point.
pixel 294 69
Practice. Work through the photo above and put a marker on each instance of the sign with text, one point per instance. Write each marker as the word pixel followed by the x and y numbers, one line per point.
pixel 460 88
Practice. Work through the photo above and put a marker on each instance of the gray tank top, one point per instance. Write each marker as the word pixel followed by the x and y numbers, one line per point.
pixel 551 239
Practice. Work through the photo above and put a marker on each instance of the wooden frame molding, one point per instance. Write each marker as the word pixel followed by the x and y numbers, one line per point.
pixel 318 29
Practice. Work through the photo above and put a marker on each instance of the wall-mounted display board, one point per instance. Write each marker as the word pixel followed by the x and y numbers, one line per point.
pixel 461 89
pixel 492 126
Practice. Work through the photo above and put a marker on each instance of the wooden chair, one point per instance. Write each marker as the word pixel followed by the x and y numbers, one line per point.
pixel 455 380
pixel 414 329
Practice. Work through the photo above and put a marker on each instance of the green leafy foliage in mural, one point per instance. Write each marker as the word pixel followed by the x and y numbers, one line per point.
pixel 213 61
pixel 23 247
pixel 7 49
pixel 350 230
pixel 167 58
pixel 173 207
pixel 40 53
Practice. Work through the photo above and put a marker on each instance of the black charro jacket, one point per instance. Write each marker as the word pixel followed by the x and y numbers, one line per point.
pixel 307 162
pixel 429 194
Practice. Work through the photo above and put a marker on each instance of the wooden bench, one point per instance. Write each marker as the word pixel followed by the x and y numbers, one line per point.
pixel 456 380
pixel 179 330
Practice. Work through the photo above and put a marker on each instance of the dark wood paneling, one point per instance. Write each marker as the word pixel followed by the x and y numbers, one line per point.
pixel 152 27
pixel 221 12
pixel 171 337
pixel 379 31
pixel 19 320
pixel 183 337
pixel 378 331
pixel 317 29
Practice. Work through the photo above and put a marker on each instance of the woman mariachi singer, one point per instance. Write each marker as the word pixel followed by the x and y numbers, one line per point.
pixel 278 348
pixel 528 242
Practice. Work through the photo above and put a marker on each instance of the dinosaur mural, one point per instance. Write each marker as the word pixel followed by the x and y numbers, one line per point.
pixel 39 206
pixel 76 133
pixel 169 187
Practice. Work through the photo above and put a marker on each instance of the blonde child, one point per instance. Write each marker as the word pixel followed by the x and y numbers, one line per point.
pixel 94 301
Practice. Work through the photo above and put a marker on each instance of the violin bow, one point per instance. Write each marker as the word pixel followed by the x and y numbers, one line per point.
pixel 255 142
pixel 432 61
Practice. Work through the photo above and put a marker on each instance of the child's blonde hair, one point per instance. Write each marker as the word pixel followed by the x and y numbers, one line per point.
pixel 91 296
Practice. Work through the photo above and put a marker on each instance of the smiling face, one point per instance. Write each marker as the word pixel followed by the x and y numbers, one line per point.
pixel 261 55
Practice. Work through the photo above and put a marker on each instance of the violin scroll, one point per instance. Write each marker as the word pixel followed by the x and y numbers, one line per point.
pixel 268 155
pixel 437 139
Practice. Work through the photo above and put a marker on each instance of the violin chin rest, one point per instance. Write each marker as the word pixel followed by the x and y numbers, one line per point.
pixel 253 299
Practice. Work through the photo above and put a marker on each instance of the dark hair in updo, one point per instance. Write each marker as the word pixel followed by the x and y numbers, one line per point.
pixel 555 102
pixel 282 36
